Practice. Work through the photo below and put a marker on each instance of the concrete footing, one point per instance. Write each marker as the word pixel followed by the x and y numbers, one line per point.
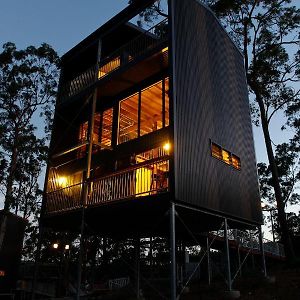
pixel 270 279
pixel 234 294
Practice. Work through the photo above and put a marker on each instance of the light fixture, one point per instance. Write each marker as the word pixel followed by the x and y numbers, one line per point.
pixel 62 181
pixel 167 146
pixel 55 245
pixel 67 247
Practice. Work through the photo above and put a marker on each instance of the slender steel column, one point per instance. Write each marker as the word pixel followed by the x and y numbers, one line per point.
pixel 172 252
pixel 239 259
pixel 86 181
pixel 137 266
pixel 227 255
pixel 208 261
pixel 262 251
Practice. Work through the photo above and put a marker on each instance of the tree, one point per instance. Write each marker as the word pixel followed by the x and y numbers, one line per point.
pixel 28 81
pixel 151 13
pixel 287 161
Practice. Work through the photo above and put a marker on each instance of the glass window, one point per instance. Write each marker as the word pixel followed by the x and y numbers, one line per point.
pixel 151 109
pixel 167 114
pixel 216 151
pixel 236 162
pixel 226 157
pixel 109 67
pixel 128 119
pixel 107 118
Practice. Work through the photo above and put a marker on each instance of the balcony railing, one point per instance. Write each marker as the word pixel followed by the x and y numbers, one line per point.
pixel 142 44
pixel 144 179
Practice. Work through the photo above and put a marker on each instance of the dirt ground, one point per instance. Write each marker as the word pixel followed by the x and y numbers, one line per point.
pixel 285 287
pixel 251 287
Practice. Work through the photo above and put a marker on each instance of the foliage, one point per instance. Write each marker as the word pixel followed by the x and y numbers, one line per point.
pixel 28 82
pixel 152 13
pixel 287 160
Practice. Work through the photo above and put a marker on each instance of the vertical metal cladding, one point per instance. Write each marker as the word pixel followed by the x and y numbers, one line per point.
pixel 211 104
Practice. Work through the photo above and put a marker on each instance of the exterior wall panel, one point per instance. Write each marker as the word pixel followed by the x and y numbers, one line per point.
pixel 211 104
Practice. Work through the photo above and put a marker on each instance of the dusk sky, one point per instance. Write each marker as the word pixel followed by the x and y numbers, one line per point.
pixel 64 23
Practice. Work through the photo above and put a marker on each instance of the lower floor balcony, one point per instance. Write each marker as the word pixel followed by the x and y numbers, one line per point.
pixel 149 178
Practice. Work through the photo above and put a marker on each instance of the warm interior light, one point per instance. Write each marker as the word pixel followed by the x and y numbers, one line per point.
pixel 62 181
pixel 165 49
pixel 167 146
pixel 55 245
pixel 67 247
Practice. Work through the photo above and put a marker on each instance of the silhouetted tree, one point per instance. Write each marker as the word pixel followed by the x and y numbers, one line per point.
pixel 28 82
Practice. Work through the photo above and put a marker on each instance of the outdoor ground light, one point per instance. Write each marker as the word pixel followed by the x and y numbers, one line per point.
pixel 55 245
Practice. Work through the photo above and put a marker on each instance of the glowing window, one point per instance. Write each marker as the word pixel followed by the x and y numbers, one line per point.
pixel 151 109
pixel 216 151
pixel 167 118
pixel 226 156
pixel 236 162
pixel 109 67
pixel 106 130
pixel 128 119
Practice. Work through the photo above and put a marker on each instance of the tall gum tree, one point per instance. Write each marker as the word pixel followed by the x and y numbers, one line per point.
pixel 28 82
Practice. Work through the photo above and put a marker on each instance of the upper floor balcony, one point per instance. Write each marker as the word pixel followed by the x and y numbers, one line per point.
pixel 142 53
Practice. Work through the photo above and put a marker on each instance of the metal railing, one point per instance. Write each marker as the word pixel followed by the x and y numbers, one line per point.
pixel 144 179
pixel 64 199
pixel 248 240
pixel 143 43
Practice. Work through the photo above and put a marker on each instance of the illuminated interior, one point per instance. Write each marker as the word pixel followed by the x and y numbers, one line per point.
pixel 109 67
pixel 128 119
pixel 154 113
pixel 102 131
pixel 225 156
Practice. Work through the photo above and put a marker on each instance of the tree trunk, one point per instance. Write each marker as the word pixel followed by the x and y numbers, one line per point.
pixel 11 173
pixel 286 237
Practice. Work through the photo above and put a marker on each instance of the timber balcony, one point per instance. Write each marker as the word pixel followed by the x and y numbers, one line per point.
pixel 145 179
pixel 149 48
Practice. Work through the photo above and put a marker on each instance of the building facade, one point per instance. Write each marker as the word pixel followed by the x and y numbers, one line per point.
pixel 149 117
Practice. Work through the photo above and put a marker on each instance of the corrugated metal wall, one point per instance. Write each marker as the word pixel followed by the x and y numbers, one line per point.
pixel 211 103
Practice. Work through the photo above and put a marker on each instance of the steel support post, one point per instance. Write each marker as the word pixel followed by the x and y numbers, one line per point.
pixel 172 252
pixel 137 267
pixel 229 281
pixel 239 259
pixel 208 261
pixel 86 187
pixel 37 262
pixel 262 251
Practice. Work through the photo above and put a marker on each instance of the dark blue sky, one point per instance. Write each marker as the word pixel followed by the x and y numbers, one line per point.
pixel 61 23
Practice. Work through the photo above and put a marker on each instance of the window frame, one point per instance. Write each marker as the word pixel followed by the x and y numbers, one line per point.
pixel 220 158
